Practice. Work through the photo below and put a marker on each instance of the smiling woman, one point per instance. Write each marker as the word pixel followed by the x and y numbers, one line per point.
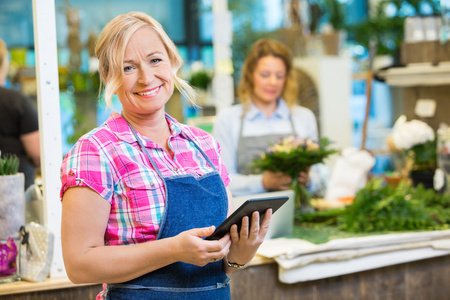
pixel 267 113
pixel 121 178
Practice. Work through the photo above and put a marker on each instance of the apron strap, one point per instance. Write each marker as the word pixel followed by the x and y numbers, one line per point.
pixel 241 127
pixel 144 149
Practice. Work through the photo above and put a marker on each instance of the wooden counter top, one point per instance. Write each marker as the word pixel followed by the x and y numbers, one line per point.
pixel 27 287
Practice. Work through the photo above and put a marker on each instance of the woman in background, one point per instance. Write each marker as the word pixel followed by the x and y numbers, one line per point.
pixel 141 191
pixel 267 113
pixel 19 125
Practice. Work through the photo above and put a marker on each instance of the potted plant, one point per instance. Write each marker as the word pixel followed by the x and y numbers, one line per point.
pixel 417 140
pixel 12 196
pixel 200 78
pixel 333 31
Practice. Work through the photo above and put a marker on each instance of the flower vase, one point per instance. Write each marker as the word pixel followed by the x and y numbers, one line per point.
pixel 302 198
pixel 12 205
pixel 424 177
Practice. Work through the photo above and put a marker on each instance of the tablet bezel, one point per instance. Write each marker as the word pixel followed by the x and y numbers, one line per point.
pixel 246 209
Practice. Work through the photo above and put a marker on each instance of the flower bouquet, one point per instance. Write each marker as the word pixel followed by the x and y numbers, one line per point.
pixel 291 156
pixel 417 141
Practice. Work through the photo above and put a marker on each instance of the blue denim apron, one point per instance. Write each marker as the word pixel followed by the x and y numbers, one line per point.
pixel 190 203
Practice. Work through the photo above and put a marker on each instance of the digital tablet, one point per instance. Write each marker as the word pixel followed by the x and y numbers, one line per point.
pixel 246 209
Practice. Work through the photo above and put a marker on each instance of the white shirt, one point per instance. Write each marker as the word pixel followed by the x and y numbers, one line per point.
pixel 226 132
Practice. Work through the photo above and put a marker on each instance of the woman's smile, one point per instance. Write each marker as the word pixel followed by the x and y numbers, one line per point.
pixel 149 93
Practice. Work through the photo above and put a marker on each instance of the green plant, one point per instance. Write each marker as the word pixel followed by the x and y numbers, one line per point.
pixel 9 164
pixel 379 207
pixel 382 208
pixel 424 156
pixel 201 79
pixel 334 12
pixel 388 30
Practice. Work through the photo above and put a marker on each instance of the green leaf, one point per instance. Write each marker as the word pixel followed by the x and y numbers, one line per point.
pixel 9 164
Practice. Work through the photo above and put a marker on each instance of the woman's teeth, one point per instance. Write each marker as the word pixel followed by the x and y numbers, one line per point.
pixel 149 92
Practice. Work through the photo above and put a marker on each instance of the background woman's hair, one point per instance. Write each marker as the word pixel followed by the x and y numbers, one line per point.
pixel 110 50
pixel 4 62
pixel 262 48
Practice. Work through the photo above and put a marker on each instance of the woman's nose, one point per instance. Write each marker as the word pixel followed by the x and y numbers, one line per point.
pixel 273 79
pixel 145 76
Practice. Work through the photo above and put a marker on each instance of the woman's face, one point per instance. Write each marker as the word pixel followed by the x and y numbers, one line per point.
pixel 269 78
pixel 147 80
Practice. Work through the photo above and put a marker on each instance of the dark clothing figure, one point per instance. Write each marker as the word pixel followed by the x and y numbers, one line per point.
pixel 18 116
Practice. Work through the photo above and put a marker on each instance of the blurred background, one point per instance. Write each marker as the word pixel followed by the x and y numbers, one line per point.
pixel 327 37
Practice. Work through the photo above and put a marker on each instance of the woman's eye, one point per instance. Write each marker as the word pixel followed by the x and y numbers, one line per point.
pixel 155 60
pixel 127 68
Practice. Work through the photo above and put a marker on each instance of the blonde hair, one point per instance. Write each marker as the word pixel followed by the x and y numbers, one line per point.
pixel 262 48
pixel 110 50
pixel 4 62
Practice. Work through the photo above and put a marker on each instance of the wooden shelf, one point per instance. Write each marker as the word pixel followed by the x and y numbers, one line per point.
pixel 417 74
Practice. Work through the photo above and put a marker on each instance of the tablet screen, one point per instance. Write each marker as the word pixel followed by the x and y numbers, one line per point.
pixel 246 209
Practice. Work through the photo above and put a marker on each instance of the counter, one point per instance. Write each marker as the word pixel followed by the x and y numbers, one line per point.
pixel 420 279
pixel 50 289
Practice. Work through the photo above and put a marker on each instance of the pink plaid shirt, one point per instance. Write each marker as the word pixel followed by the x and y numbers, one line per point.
pixel 109 160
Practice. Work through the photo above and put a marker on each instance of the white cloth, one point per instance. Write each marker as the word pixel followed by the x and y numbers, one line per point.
pixel 300 260
pixel 292 248
pixel 349 173
pixel 226 132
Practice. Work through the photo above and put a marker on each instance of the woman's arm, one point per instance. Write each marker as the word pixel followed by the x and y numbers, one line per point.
pixel 29 133
pixel 87 260
pixel 32 146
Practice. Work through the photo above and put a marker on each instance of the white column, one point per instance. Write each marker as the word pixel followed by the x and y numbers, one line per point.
pixel 332 75
pixel 222 83
pixel 49 121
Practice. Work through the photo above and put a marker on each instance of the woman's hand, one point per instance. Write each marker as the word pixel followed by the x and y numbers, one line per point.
pixel 191 248
pixel 303 177
pixel 276 181
pixel 245 243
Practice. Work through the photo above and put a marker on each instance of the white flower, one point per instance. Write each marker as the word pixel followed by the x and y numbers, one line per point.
pixel 412 133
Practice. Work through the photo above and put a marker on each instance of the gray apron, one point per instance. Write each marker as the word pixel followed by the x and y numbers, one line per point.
pixel 251 147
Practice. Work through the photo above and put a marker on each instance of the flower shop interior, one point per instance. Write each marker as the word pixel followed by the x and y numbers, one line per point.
pixel 376 75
